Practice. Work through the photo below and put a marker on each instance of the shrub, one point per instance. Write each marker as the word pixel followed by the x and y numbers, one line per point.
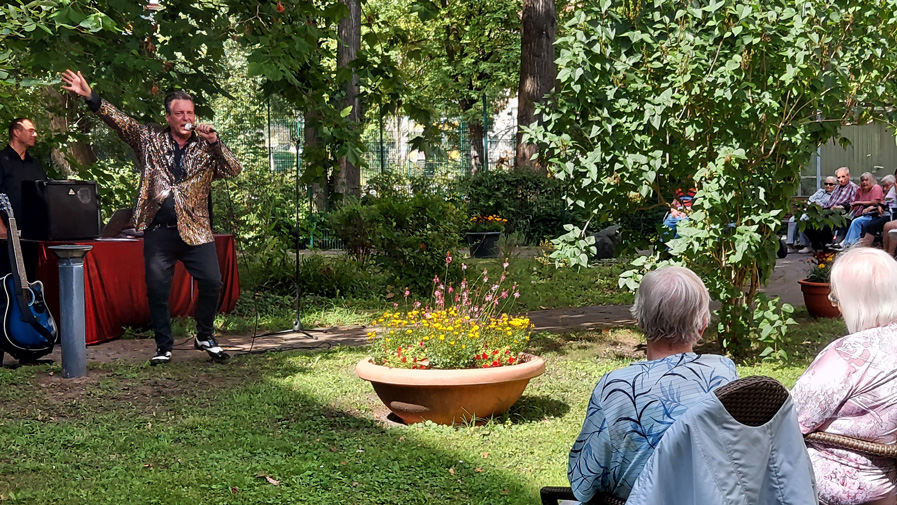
pixel 414 234
pixel 336 276
pixel 532 203
pixel 357 226
pixel 405 233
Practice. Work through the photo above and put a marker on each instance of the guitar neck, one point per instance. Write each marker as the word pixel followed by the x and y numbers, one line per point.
pixel 17 251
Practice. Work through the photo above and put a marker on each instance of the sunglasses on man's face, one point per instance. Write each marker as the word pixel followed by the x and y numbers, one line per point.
pixel 829 183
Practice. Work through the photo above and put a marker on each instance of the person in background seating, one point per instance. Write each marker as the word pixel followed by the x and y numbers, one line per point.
pixel 851 387
pixel 842 198
pixel 631 408
pixel 820 198
pixel 679 209
pixel 863 229
pixel 864 207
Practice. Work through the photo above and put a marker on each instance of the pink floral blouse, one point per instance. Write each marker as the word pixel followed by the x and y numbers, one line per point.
pixel 851 389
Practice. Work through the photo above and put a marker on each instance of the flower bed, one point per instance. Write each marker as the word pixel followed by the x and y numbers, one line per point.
pixel 465 327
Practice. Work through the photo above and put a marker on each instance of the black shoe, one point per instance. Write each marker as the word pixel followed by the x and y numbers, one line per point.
pixel 162 356
pixel 210 345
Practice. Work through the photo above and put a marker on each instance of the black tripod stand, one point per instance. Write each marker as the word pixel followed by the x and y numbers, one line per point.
pixel 297 323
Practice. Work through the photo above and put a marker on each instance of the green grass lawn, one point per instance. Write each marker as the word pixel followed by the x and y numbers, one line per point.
pixel 292 427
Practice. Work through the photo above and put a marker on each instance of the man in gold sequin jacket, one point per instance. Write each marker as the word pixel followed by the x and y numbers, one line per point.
pixel 178 165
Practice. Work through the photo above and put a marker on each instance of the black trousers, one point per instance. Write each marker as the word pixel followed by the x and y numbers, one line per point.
pixel 819 237
pixel 162 248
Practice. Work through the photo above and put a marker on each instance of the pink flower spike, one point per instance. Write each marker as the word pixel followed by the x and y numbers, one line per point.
pixel 488 298
pixel 451 289
pixel 416 305
pixel 407 292
pixel 485 279
pixel 395 305
pixel 463 266
pixel 495 303
pixel 502 279
pixel 485 271
pixel 504 294
pixel 505 264
pixel 516 294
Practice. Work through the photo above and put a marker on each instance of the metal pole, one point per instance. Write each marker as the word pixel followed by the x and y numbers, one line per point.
pixel 71 305
pixel 485 137
pixel 380 121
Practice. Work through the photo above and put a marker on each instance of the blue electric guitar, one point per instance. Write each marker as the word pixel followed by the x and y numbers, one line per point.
pixel 29 330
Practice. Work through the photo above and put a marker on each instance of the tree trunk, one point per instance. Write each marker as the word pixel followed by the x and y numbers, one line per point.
pixel 57 114
pixel 311 157
pixel 348 179
pixel 537 72
pixel 475 136
pixel 478 159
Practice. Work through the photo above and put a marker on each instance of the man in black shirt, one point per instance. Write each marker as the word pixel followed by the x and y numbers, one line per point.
pixel 16 166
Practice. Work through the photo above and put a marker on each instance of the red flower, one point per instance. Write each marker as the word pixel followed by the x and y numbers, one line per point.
pixel 495 352
pixel 404 359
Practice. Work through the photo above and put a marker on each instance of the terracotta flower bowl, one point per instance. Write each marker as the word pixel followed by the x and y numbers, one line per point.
pixel 816 299
pixel 450 396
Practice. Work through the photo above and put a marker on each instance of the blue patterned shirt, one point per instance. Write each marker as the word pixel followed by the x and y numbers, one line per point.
pixel 629 411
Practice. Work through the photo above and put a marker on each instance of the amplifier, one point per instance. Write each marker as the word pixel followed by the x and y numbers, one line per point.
pixel 60 210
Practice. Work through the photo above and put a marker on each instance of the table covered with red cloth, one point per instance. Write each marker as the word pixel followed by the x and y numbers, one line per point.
pixel 115 287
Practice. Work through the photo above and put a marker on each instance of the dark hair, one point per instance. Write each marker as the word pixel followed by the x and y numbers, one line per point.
pixel 17 125
pixel 176 95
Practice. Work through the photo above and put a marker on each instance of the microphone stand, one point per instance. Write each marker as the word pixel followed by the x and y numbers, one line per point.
pixel 297 323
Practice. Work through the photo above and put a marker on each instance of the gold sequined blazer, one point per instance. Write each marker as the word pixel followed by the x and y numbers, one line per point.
pixel 202 161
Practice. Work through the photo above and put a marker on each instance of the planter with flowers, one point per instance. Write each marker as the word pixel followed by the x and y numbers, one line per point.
pixel 483 235
pixel 458 361
pixel 816 288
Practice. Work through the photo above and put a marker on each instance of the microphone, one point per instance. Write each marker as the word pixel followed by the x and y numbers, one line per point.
pixel 191 127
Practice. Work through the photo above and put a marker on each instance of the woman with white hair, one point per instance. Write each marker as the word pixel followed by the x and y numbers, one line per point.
pixel 631 408
pixel 851 387
pixel 871 218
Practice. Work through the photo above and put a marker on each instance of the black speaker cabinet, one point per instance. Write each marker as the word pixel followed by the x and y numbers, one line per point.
pixel 60 210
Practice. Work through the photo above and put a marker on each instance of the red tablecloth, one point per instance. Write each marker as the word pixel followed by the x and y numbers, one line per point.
pixel 115 288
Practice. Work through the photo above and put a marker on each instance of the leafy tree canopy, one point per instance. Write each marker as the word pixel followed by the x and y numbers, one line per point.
pixel 732 95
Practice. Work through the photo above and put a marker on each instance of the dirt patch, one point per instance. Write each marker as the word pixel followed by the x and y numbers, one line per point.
pixel 56 398
pixel 619 344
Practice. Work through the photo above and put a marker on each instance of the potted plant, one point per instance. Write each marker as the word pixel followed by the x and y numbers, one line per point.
pixel 458 360
pixel 816 287
pixel 483 234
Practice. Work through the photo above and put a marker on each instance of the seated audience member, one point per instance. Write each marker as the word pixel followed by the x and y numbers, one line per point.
pixel 631 408
pixel 866 208
pixel 680 208
pixel 842 198
pixel 887 212
pixel 820 198
pixel 851 387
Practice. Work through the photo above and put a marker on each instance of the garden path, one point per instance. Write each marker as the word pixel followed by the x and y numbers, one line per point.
pixel 783 282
